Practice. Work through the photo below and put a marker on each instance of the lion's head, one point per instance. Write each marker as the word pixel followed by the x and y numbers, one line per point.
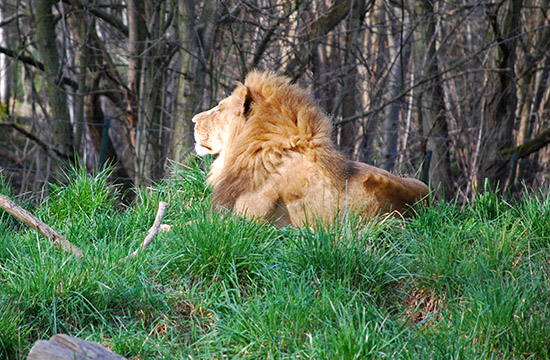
pixel 212 127
pixel 266 107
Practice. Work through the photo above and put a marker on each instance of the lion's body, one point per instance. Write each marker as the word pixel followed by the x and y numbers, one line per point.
pixel 276 160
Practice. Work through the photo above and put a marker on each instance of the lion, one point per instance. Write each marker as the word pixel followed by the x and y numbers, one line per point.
pixel 275 160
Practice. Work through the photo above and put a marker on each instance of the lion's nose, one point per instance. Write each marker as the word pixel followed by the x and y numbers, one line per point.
pixel 194 119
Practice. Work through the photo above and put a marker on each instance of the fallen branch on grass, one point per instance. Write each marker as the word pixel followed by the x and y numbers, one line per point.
pixel 50 233
pixel 152 231
pixel 60 241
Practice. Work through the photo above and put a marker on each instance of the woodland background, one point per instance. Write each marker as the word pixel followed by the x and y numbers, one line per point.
pixel 459 85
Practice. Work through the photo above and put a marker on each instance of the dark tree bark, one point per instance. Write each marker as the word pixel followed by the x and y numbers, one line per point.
pixel 430 101
pixel 195 57
pixel 349 100
pixel 318 28
pixel 399 56
pixel 5 75
pixel 500 108
pixel 62 135
pixel 88 107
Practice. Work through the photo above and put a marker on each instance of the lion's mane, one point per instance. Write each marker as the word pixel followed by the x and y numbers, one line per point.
pixel 282 117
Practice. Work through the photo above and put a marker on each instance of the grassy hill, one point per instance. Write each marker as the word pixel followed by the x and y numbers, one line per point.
pixel 451 284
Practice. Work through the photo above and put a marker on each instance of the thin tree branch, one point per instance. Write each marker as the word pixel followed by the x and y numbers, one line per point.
pixel 110 94
pixel 529 147
pixel 434 76
pixel 37 64
pixel 23 58
pixel 109 19
pixel 53 153
pixel 270 31
pixel 50 233
pixel 11 19
pixel 320 27
pixel 152 231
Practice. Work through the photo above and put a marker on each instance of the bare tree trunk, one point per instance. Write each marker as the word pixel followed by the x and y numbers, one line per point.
pixel 500 108
pixel 136 42
pixel 79 28
pixel 62 135
pixel 532 86
pixel 350 132
pixel 349 100
pixel 399 56
pixel 430 101
pixel 197 46
pixel 5 77
pixel 88 107
pixel 156 58
pixel 368 143
pixel 149 55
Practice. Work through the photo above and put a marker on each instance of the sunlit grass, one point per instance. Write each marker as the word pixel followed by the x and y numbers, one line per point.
pixel 450 284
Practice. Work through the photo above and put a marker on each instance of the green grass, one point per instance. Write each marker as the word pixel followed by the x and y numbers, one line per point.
pixel 471 283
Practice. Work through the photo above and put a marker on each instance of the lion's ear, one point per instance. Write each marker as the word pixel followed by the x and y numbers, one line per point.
pixel 247 101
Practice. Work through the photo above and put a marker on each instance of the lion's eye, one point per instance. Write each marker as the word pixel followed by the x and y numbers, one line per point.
pixel 217 109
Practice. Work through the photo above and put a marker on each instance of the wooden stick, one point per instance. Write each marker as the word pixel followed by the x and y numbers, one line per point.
pixel 50 233
pixel 65 347
pixel 152 231
pixel 60 241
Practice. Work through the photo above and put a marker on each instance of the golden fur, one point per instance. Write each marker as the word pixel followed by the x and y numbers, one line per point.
pixel 276 160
